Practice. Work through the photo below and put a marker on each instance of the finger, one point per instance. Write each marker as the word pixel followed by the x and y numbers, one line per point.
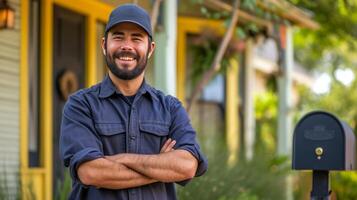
pixel 164 147
pixel 170 147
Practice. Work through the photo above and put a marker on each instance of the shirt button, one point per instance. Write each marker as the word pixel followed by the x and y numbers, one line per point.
pixel 133 137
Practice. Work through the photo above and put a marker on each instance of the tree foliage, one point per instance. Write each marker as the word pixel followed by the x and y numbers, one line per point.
pixel 331 46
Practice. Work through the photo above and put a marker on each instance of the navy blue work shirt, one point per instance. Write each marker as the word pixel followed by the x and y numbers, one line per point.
pixel 100 121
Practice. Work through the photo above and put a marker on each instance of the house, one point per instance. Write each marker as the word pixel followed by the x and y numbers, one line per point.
pixel 54 50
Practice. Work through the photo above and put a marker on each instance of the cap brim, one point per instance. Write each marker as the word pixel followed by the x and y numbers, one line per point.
pixel 130 21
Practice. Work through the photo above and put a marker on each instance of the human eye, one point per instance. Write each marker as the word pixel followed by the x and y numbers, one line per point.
pixel 138 39
pixel 118 37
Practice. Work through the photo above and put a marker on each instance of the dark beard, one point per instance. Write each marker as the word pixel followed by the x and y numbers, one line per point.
pixel 125 74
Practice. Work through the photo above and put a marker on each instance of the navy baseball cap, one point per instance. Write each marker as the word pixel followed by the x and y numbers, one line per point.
pixel 130 13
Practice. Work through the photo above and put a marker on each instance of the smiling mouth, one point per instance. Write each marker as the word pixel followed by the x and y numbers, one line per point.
pixel 126 58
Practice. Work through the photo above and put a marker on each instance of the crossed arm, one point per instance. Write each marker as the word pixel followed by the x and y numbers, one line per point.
pixel 131 170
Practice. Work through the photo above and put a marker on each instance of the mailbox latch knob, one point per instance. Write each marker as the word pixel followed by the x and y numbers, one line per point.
pixel 319 151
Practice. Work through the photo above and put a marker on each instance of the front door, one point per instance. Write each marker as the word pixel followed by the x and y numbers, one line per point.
pixel 68 72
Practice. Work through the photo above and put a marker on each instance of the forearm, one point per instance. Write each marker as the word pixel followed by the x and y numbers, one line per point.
pixel 176 165
pixel 105 173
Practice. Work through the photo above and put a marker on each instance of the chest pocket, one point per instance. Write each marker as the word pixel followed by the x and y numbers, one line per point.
pixel 153 136
pixel 112 136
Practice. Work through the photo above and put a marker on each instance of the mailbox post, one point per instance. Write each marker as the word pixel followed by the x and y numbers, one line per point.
pixel 322 143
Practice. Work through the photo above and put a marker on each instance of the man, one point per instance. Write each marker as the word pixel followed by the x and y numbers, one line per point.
pixel 123 139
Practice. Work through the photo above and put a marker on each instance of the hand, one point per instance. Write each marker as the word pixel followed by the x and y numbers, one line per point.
pixel 168 146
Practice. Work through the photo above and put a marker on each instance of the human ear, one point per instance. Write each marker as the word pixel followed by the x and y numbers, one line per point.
pixel 103 44
pixel 152 48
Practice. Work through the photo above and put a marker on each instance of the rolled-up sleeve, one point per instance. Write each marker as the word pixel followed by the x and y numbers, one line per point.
pixel 182 131
pixel 79 141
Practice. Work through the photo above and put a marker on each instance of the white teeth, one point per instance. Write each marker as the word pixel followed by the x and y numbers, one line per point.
pixel 126 58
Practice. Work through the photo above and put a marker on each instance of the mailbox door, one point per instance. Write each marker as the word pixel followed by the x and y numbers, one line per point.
pixel 316 132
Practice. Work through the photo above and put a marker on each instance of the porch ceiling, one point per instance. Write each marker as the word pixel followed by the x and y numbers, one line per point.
pixel 281 8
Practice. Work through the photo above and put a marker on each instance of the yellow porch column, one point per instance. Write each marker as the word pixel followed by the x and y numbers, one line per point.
pixel 232 119
pixel 46 92
pixel 91 72
pixel 24 95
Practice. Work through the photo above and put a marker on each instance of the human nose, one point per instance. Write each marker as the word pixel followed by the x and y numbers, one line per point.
pixel 126 46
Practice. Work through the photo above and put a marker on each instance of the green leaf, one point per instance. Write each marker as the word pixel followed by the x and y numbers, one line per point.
pixel 240 33
pixel 253 27
pixel 249 4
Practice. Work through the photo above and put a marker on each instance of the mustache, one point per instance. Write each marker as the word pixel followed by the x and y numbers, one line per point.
pixel 119 54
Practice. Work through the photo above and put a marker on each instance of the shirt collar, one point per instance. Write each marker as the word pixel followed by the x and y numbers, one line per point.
pixel 107 88
pixel 147 89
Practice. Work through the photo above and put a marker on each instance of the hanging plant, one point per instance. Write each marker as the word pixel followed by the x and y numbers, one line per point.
pixel 203 50
pixel 214 51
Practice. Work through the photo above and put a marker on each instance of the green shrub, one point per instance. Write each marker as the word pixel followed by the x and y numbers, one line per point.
pixel 344 185
pixel 64 187
pixel 261 178
pixel 8 192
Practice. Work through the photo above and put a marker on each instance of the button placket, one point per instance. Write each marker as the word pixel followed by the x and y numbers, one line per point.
pixel 132 132
pixel 133 193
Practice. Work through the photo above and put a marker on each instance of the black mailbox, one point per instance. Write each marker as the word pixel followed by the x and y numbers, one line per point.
pixel 323 142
